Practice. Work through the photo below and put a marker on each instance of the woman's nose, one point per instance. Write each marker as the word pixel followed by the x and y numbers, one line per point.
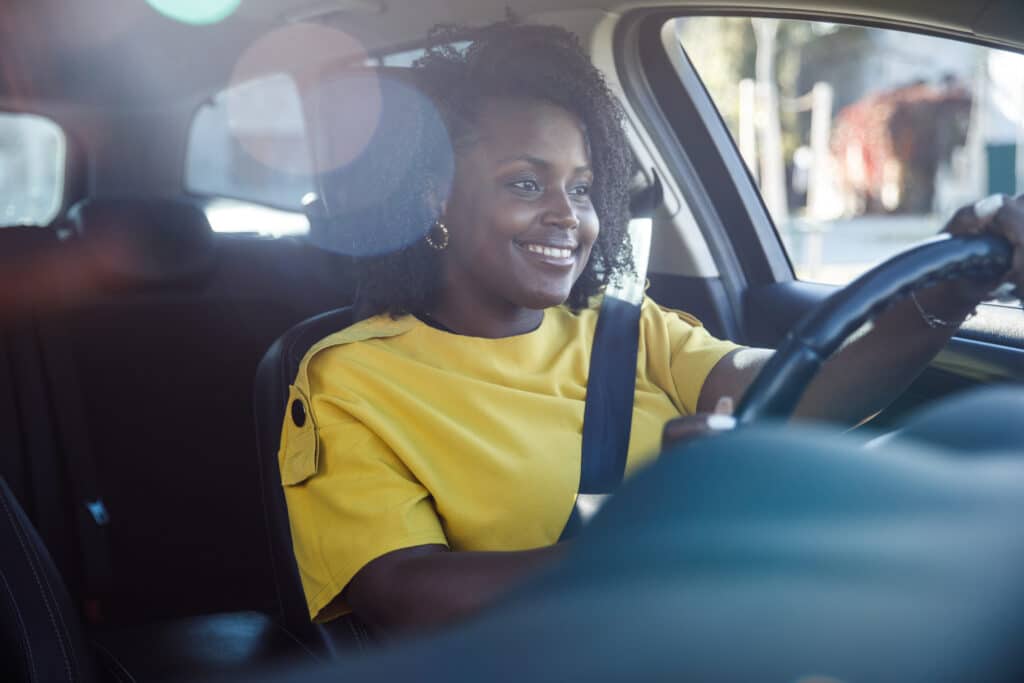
pixel 561 212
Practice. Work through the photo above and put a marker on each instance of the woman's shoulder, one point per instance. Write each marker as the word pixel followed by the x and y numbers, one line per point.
pixel 650 312
pixel 653 316
pixel 655 312
pixel 375 327
pixel 331 348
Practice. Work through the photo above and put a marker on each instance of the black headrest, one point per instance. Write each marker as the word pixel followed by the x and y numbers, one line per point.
pixel 373 132
pixel 146 241
pixel 19 243
pixel 26 269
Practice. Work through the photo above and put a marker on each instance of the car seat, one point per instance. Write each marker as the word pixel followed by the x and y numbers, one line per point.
pixel 40 633
pixel 275 374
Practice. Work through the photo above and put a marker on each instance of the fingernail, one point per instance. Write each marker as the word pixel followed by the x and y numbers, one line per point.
pixel 724 406
pixel 721 422
pixel 989 205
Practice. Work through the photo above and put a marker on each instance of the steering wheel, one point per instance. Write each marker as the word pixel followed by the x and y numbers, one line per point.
pixel 777 389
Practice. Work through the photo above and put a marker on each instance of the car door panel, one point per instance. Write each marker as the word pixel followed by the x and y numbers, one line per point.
pixel 989 349
pixel 703 297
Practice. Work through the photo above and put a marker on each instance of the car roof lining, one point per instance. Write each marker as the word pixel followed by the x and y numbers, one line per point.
pixel 171 61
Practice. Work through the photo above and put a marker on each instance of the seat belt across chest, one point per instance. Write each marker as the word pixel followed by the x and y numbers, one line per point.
pixel 608 413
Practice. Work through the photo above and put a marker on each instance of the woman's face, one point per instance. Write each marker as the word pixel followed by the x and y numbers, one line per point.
pixel 520 215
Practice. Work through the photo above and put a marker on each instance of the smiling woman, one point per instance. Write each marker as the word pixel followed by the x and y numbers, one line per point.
pixel 442 460
pixel 442 455
pixel 504 73
pixel 521 217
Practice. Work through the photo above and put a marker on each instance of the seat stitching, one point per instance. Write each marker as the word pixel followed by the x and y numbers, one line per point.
pixel 74 662
pixel 364 636
pixel 354 627
pixel 298 640
pixel 367 641
pixel 15 524
pixel 24 630
pixel 19 533
pixel 64 633
pixel 115 660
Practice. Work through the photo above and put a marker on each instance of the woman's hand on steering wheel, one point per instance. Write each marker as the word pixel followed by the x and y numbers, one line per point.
pixel 996 215
pixel 690 427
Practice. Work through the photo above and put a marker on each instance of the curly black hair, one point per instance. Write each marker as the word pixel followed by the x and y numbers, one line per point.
pixel 506 59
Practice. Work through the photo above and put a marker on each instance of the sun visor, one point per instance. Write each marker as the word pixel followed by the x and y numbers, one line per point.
pixel 376 136
pixel 146 241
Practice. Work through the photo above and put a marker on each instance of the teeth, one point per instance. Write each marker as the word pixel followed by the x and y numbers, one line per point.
pixel 555 252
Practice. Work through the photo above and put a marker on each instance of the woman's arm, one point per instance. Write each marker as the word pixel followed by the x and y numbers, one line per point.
pixel 871 371
pixel 429 585
pixel 868 373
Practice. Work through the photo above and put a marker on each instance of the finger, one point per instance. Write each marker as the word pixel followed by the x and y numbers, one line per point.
pixel 1009 223
pixel 724 406
pixel 685 428
pixel 963 222
pixel 989 206
pixel 694 426
pixel 972 219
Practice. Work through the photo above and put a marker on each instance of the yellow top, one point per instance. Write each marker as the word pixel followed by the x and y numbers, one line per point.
pixel 409 435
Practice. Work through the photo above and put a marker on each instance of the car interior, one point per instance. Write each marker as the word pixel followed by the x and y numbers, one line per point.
pixel 146 350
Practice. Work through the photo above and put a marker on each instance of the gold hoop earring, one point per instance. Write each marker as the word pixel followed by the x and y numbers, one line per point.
pixel 443 241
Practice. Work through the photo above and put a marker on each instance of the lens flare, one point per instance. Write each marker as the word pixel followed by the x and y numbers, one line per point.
pixel 373 136
pixel 375 202
pixel 301 56
pixel 196 12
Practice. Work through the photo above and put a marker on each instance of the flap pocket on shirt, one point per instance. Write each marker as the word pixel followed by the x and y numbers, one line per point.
pixel 299 457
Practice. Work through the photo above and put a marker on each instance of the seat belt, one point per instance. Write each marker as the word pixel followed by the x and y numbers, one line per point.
pixel 608 412
pixel 611 382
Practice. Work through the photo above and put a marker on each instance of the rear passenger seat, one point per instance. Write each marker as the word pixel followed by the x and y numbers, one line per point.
pixel 29 458
pixel 164 351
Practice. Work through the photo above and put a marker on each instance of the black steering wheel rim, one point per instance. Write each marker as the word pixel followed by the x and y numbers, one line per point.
pixel 775 392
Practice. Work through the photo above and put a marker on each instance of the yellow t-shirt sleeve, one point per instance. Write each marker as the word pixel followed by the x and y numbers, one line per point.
pixel 690 351
pixel 358 501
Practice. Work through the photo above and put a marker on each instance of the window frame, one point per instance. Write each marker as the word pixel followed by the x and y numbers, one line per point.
pixel 682 119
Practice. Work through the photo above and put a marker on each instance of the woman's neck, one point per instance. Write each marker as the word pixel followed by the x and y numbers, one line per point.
pixel 475 315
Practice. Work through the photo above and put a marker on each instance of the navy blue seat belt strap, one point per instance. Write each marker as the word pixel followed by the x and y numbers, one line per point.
pixel 608 414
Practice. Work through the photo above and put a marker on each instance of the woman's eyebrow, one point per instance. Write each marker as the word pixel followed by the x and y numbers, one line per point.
pixel 537 161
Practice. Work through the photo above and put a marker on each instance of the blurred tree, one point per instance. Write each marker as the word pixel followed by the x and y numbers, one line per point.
pixel 723 50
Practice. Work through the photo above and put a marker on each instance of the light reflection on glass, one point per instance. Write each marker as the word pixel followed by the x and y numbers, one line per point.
pixel 196 12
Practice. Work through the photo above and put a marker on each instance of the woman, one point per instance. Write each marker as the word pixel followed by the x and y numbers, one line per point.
pixel 440 457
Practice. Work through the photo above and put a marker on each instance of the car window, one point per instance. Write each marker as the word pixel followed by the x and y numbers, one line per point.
pixel 32 156
pixel 861 140
pixel 406 58
pixel 248 143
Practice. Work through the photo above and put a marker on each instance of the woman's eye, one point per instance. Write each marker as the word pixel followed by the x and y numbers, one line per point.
pixel 580 190
pixel 526 185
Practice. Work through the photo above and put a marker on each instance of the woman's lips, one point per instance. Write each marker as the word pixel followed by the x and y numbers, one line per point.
pixel 558 256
